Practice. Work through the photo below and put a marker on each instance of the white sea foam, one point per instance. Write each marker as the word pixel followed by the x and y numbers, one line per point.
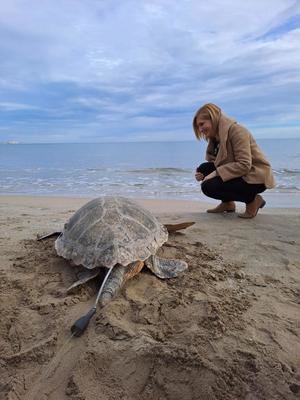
pixel 143 171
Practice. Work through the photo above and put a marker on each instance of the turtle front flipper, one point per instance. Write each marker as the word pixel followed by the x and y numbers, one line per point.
pixel 117 278
pixel 178 227
pixel 165 268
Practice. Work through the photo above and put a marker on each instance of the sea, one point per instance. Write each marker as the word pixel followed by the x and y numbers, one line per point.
pixel 152 170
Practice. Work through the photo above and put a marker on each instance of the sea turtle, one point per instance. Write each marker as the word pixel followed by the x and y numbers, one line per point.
pixel 119 234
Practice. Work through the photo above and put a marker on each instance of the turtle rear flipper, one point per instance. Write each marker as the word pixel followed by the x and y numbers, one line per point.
pixel 164 268
pixel 84 276
pixel 117 278
pixel 48 235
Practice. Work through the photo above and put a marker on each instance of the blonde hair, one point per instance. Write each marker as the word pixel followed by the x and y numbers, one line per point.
pixel 209 111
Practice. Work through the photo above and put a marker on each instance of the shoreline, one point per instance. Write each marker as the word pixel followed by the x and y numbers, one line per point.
pixel 155 204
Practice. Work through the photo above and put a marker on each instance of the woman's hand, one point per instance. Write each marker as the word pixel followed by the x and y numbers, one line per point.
pixel 199 176
pixel 210 176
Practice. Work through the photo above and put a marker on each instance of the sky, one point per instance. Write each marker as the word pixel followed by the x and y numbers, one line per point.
pixel 137 70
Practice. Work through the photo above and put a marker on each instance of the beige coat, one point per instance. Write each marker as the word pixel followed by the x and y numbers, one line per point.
pixel 239 155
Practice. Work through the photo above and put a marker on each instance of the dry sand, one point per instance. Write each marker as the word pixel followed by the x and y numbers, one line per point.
pixel 228 328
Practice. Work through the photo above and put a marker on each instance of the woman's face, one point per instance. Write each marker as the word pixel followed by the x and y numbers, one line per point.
pixel 205 127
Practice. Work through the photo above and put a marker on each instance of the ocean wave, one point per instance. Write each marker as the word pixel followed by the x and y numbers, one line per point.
pixel 288 187
pixel 287 171
pixel 165 171
pixel 286 191
pixel 98 169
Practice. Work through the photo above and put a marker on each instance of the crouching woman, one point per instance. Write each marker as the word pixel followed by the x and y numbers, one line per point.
pixel 236 168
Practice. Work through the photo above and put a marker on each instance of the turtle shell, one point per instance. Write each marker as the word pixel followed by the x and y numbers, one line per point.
pixel 108 231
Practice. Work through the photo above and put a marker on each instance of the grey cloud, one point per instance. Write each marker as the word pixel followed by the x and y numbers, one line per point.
pixel 144 66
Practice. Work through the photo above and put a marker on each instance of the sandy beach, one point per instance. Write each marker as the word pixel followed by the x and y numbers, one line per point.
pixel 227 328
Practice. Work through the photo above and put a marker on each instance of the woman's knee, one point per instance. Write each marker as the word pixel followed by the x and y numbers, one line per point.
pixel 208 188
pixel 212 187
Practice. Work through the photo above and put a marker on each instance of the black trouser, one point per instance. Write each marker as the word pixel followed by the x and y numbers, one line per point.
pixel 234 190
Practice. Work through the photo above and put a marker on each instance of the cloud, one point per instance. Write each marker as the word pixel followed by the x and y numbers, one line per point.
pixel 15 106
pixel 140 69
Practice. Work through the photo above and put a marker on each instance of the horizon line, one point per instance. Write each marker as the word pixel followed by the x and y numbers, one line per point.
pixel 15 142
